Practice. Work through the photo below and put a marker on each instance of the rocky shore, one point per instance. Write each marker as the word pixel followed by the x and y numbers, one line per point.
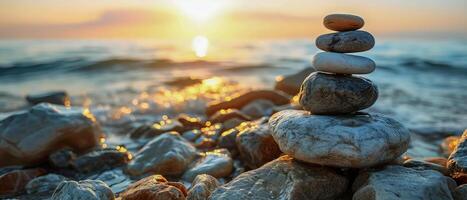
pixel 310 138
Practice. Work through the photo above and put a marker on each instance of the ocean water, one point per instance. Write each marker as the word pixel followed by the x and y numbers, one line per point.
pixel 422 83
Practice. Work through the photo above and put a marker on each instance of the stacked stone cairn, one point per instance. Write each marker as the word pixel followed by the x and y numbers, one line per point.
pixel 332 130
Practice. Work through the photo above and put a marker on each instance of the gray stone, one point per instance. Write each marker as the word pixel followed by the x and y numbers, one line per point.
pixel 284 178
pixel 99 160
pixel 424 165
pixel 202 187
pixel 58 97
pixel 256 144
pixel 29 137
pixel 336 94
pixel 44 184
pixel 87 189
pixel 115 179
pixel 397 182
pixel 460 193
pixel 346 42
pixel 290 84
pixel 339 63
pixel 217 163
pixel 167 154
pixel 354 141
pixel 457 161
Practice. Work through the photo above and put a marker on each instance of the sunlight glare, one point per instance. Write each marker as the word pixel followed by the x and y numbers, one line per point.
pixel 200 10
pixel 200 45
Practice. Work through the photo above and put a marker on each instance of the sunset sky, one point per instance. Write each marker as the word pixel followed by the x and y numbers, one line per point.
pixel 233 19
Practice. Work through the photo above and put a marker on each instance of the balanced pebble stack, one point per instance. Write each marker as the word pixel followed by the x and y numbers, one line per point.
pixel 332 130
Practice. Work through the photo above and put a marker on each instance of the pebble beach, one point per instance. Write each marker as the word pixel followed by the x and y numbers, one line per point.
pixel 344 116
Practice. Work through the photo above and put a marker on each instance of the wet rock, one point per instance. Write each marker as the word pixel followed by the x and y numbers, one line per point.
pixel 225 114
pixel 424 165
pixel 58 97
pixel 258 108
pixel 156 129
pixel 182 82
pixel 397 182
pixel 291 84
pixel 192 135
pixel 154 187
pixel 336 94
pixel 239 101
pixel 14 182
pixel 202 187
pixel 217 163
pixel 457 161
pixel 29 137
pixel 420 147
pixel 228 140
pixel 86 189
pixel 44 184
pixel 460 193
pixel 449 144
pixel 204 142
pixel 190 122
pixel 256 144
pixel 354 141
pixel 99 160
pixel 62 158
pixel 346 42
pixel 115 179
pixel 437 160
pixel 232 123
pixel 284 178
pixel 343 22
pixel 168 154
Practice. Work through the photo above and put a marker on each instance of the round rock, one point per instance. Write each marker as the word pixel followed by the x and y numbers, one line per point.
pixel 346 42
pixel 336 94
pixel 343 22
pixel 342 63
pixel 355 141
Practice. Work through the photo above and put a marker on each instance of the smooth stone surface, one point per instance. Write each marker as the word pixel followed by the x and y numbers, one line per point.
pixel 156 129
pixel 154 187
pixel 284 178
pixel 343 22
pixel 346 42
pixel 217 163
pixel 86 189
pixel 167 154
pixel 258 108
pixel 239 101
pixel 100 160
pixel 354 141
pixel 457 161
pixel 397 182
pixel 226 114
pixel 62 158
pixel 424 165
pixel 339 63
pixel 290 84
pixel 202 187
pixel 115 179
pixel 58 97
pixel 256 144
pixel 14 182
pixel 460 193
pixel 336 94
pixel 29 137
pixel 44 184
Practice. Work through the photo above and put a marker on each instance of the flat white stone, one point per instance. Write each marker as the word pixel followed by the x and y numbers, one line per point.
pixel 354 141
pixel 342 63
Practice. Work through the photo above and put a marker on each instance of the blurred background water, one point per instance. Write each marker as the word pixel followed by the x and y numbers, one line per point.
pixel 422 83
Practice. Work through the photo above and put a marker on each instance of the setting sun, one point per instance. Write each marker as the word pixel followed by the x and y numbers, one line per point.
pixel 201 10
pixel 200 46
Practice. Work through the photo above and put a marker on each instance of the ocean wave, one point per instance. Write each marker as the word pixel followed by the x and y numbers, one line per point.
pixel 431 65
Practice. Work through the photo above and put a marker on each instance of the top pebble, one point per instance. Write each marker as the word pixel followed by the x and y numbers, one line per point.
pixel 343 22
